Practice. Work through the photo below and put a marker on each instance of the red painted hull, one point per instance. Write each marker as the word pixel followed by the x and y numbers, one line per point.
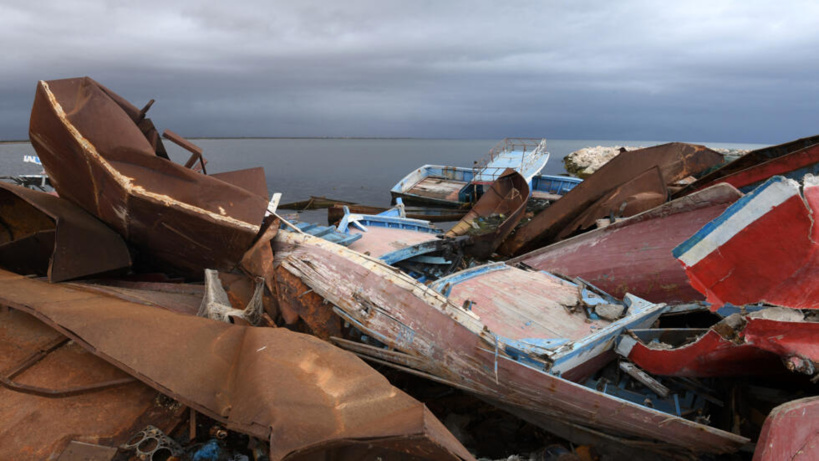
pixel 762 249
pixel 709 356
pixel 791 432
pixel 748 162
pixel 634 255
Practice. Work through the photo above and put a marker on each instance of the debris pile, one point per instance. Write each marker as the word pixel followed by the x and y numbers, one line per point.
pixel 659 309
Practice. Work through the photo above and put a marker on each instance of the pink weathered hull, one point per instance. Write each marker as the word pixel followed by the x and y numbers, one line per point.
pixel 791 431
pixel 762 249
pixel 634 255
pixel 429 335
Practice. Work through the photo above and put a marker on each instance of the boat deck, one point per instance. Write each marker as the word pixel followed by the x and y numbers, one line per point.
pixel 379 241
pixel 438 188
pixel 518 304
pixel 539 195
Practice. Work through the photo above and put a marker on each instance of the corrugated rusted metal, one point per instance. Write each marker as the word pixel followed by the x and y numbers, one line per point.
pixel 47 235
pixel 307 397
pixel 98 158
pixel 675 161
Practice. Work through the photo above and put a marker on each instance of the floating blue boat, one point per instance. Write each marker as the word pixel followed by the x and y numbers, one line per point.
pixel 450 186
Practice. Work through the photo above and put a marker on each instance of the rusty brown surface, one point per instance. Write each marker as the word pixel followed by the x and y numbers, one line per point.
pixel 49 236
pixel 98 158
pixel 37 426
pixel 507 196
pixel 151 294
pixel 675 161
pixel 646 191
pixel 301 394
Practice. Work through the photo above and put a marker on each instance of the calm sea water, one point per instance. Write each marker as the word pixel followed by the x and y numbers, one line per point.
pixel 358 170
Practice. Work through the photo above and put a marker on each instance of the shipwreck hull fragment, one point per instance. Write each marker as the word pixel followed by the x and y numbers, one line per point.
pixel 675 161
pixel 432 337
pixel 98 157
pixel 507 197
pixel 634 255
pixel 762 249
pixel 49 236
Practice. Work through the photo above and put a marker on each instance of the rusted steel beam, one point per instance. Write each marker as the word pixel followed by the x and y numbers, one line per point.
pixel 196 151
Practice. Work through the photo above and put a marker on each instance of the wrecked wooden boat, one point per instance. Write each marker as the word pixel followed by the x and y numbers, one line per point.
pixel 634 255
pixel 606 191
pixel 761 249
pixel 551 187
pixel 548 322
pixel 448 186
pixel 495 215
pixel 336 212
pixel 724 350
pixel 413 245
pixel 793 159
pixel 103 155
pixel 421 331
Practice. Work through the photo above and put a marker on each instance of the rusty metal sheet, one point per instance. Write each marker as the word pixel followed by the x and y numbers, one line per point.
pixel 675 161
pixel 430 336
pixel 304 395
pixel 507 197
pixel 252 180
pixel 98 158
pixel 186 299
pixel 634 255
pixel 642 193
pixel 40 425
pixel 49 236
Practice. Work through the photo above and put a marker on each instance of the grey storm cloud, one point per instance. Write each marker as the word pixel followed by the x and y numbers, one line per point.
pixel 736 71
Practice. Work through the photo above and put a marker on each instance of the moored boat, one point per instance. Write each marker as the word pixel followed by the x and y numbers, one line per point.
pixel 450 186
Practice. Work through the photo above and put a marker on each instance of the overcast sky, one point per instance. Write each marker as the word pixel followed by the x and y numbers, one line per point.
pixel 731 71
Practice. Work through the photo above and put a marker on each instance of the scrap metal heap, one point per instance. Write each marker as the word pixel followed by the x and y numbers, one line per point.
pixel 648 328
